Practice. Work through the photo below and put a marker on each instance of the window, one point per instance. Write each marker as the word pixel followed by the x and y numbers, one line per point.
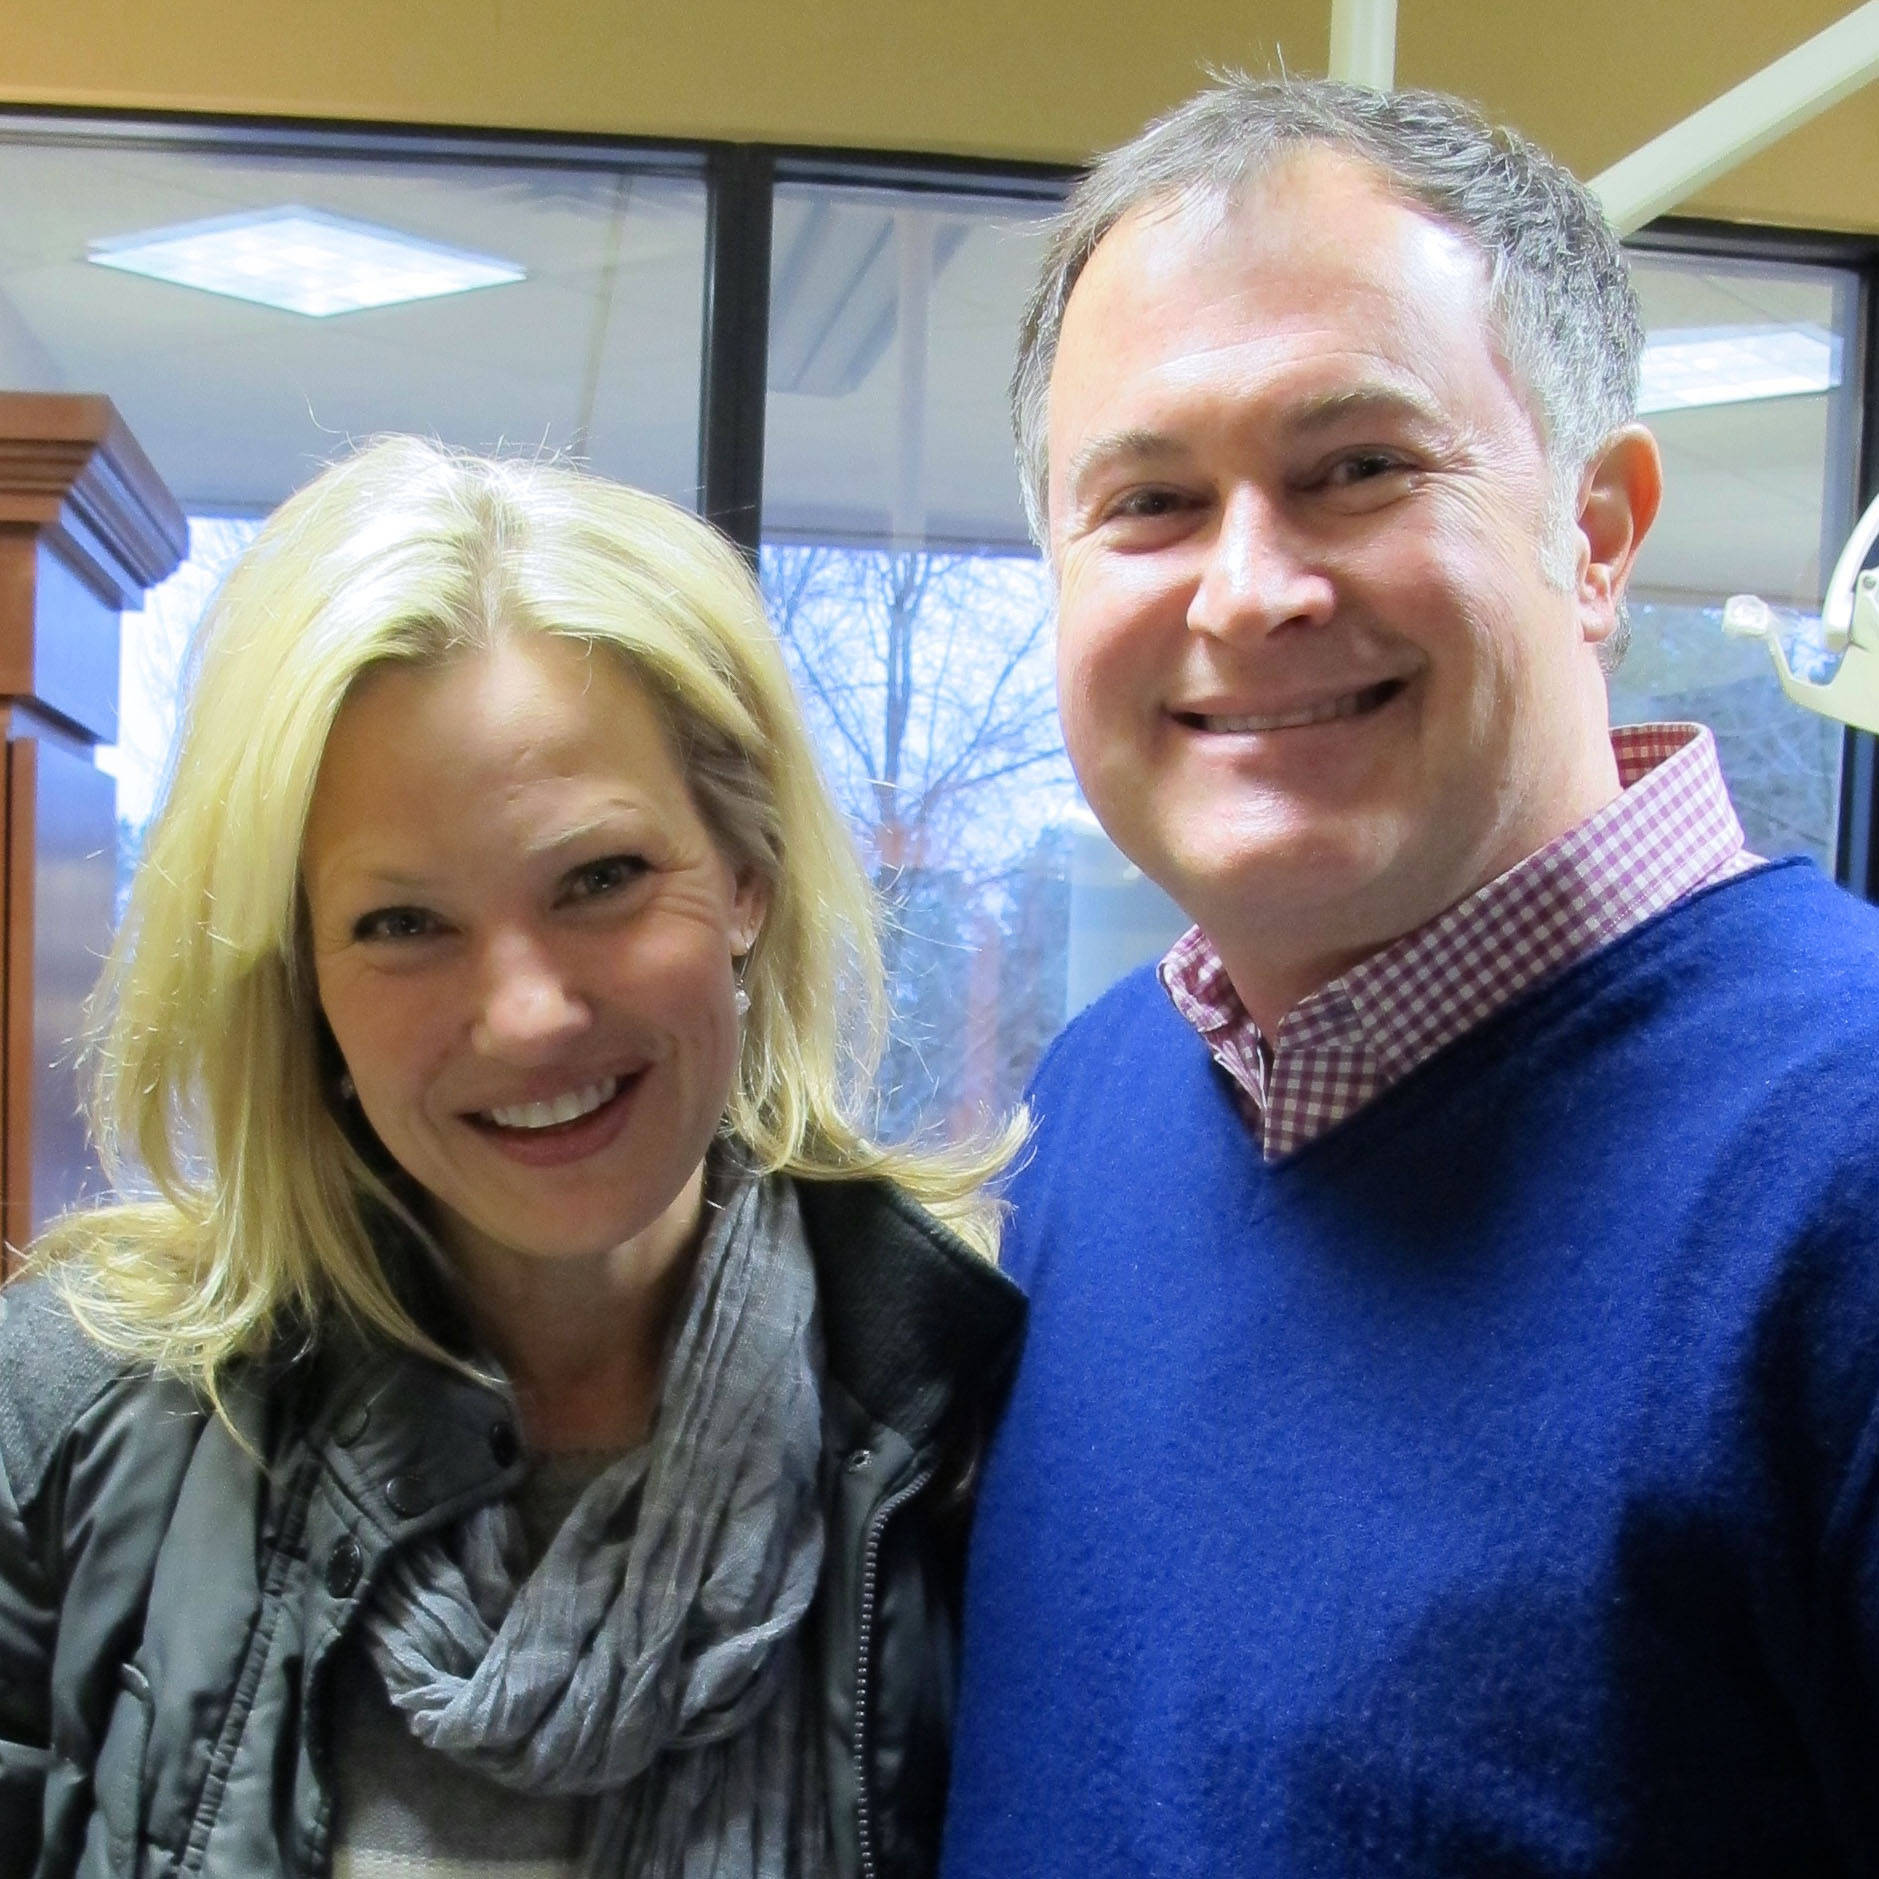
pixel 593 347
pixel 1750 387
pixel 917 615
pixel 893 550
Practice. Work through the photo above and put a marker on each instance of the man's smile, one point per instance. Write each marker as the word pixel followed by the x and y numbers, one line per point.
pixel 1319 711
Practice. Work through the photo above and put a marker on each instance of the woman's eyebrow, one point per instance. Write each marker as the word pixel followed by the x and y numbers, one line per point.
pixel 362 873
pixel 615 821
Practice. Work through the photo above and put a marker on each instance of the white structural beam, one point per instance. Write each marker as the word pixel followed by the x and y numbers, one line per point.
pixel 1801 84
pixel 1363 42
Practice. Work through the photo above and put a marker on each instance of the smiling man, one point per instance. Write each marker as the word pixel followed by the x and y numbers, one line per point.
pixel 1447 1442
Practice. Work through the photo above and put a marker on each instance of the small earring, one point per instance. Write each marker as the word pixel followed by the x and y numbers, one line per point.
pixel 348 1090
pixel 740 998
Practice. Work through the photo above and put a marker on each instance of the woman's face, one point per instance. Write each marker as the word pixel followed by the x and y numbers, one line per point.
pixel 523 936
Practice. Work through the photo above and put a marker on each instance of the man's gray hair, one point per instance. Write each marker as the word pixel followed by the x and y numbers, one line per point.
pixel 1558 287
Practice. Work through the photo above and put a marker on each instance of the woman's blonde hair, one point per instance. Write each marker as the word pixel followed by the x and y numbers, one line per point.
pixel 208 1079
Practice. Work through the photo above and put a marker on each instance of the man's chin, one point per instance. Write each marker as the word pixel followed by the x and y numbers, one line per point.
pixel 1306 898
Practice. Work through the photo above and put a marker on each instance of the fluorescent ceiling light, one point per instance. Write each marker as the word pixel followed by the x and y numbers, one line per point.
pixel 302 261
pixel 1721 365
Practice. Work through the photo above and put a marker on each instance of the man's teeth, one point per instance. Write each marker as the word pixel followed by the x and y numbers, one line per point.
pixel 566 1108
pixel 1327 712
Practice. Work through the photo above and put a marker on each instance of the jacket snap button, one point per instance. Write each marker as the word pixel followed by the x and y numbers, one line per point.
pixel 343 1566
pixel 503 1445
pixel 404 1494
pixel 352 1425
pixel 859 1459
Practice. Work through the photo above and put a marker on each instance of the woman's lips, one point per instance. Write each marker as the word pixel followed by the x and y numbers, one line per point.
pixel 552 1143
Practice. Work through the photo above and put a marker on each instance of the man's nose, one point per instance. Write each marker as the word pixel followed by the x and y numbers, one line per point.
pixel 529 1004
pixel 1258 575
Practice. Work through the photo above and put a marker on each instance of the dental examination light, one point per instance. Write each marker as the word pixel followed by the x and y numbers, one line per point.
pixel 1849 622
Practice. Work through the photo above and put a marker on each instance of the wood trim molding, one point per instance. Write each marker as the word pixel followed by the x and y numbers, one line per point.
pixel 19 775
pixel 71 470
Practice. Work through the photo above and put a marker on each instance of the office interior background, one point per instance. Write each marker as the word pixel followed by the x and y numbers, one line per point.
pixel 769 262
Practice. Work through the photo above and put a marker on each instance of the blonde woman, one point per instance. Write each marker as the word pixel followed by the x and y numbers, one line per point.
pixel 524 1432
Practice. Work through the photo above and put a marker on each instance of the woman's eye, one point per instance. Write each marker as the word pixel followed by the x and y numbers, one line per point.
pixel 607 876
pixel 395 923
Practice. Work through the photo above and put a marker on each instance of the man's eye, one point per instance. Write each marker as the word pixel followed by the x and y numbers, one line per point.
pixel 396 923
pixel 1149 502
pixel 607 876
pixel 1146 504
pixel 1364 466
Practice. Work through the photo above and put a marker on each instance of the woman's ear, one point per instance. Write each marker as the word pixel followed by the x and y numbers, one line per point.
pixel 1618 502
pixel 749 906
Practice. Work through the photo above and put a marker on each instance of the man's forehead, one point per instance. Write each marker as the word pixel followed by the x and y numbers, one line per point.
pixel 1223 220
pixel 1318 242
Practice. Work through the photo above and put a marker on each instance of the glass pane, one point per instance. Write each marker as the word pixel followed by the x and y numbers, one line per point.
pixel 1747 387
pixel 151 648
pixel 917 616
pixel 593 350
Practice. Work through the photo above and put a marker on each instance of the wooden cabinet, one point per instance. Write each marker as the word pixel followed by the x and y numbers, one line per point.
pixel 86 526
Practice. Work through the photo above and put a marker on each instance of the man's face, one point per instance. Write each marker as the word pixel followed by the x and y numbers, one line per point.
pixel 1313 677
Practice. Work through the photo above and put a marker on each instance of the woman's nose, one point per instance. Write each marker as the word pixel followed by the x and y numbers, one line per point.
pixel 530 1004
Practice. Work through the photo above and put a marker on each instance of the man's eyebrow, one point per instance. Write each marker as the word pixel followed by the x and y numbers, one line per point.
pixel 1329 409
pixel 1134 446
pixel 1141 446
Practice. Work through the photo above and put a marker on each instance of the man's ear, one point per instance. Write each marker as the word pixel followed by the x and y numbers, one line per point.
pixel 1618 501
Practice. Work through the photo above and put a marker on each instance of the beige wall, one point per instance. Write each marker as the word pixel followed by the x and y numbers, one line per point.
pixel 1041 79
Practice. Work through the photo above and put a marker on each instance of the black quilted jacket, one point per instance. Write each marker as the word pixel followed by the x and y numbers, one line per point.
pixel 169 1605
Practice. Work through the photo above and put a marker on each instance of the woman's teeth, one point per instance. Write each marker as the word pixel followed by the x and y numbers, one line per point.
pixel 557 1109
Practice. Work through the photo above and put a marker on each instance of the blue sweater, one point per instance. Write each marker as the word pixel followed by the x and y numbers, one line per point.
pixel 1489 1488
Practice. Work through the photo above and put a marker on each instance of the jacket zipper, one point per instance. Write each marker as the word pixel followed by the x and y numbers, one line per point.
pixel 284 1551
pixel 870 1587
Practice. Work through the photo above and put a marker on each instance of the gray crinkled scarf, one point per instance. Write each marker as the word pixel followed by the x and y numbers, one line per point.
pixel 654 1658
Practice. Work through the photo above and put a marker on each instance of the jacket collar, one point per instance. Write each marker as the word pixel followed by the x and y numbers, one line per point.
pixel 922 1331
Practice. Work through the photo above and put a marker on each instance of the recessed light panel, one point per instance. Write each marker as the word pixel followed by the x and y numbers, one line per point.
pixel 302 261
pixel 1691 366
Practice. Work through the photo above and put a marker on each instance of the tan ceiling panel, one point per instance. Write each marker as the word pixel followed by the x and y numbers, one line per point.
pixel 1595 79
pixel 1048 81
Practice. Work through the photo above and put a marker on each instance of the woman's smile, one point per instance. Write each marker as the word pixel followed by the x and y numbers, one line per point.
pixel 565 1129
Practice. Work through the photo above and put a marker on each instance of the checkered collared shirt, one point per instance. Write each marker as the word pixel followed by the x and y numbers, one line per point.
pixel 1670 832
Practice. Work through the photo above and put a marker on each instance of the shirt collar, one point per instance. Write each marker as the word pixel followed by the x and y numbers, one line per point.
pixel 1671 829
